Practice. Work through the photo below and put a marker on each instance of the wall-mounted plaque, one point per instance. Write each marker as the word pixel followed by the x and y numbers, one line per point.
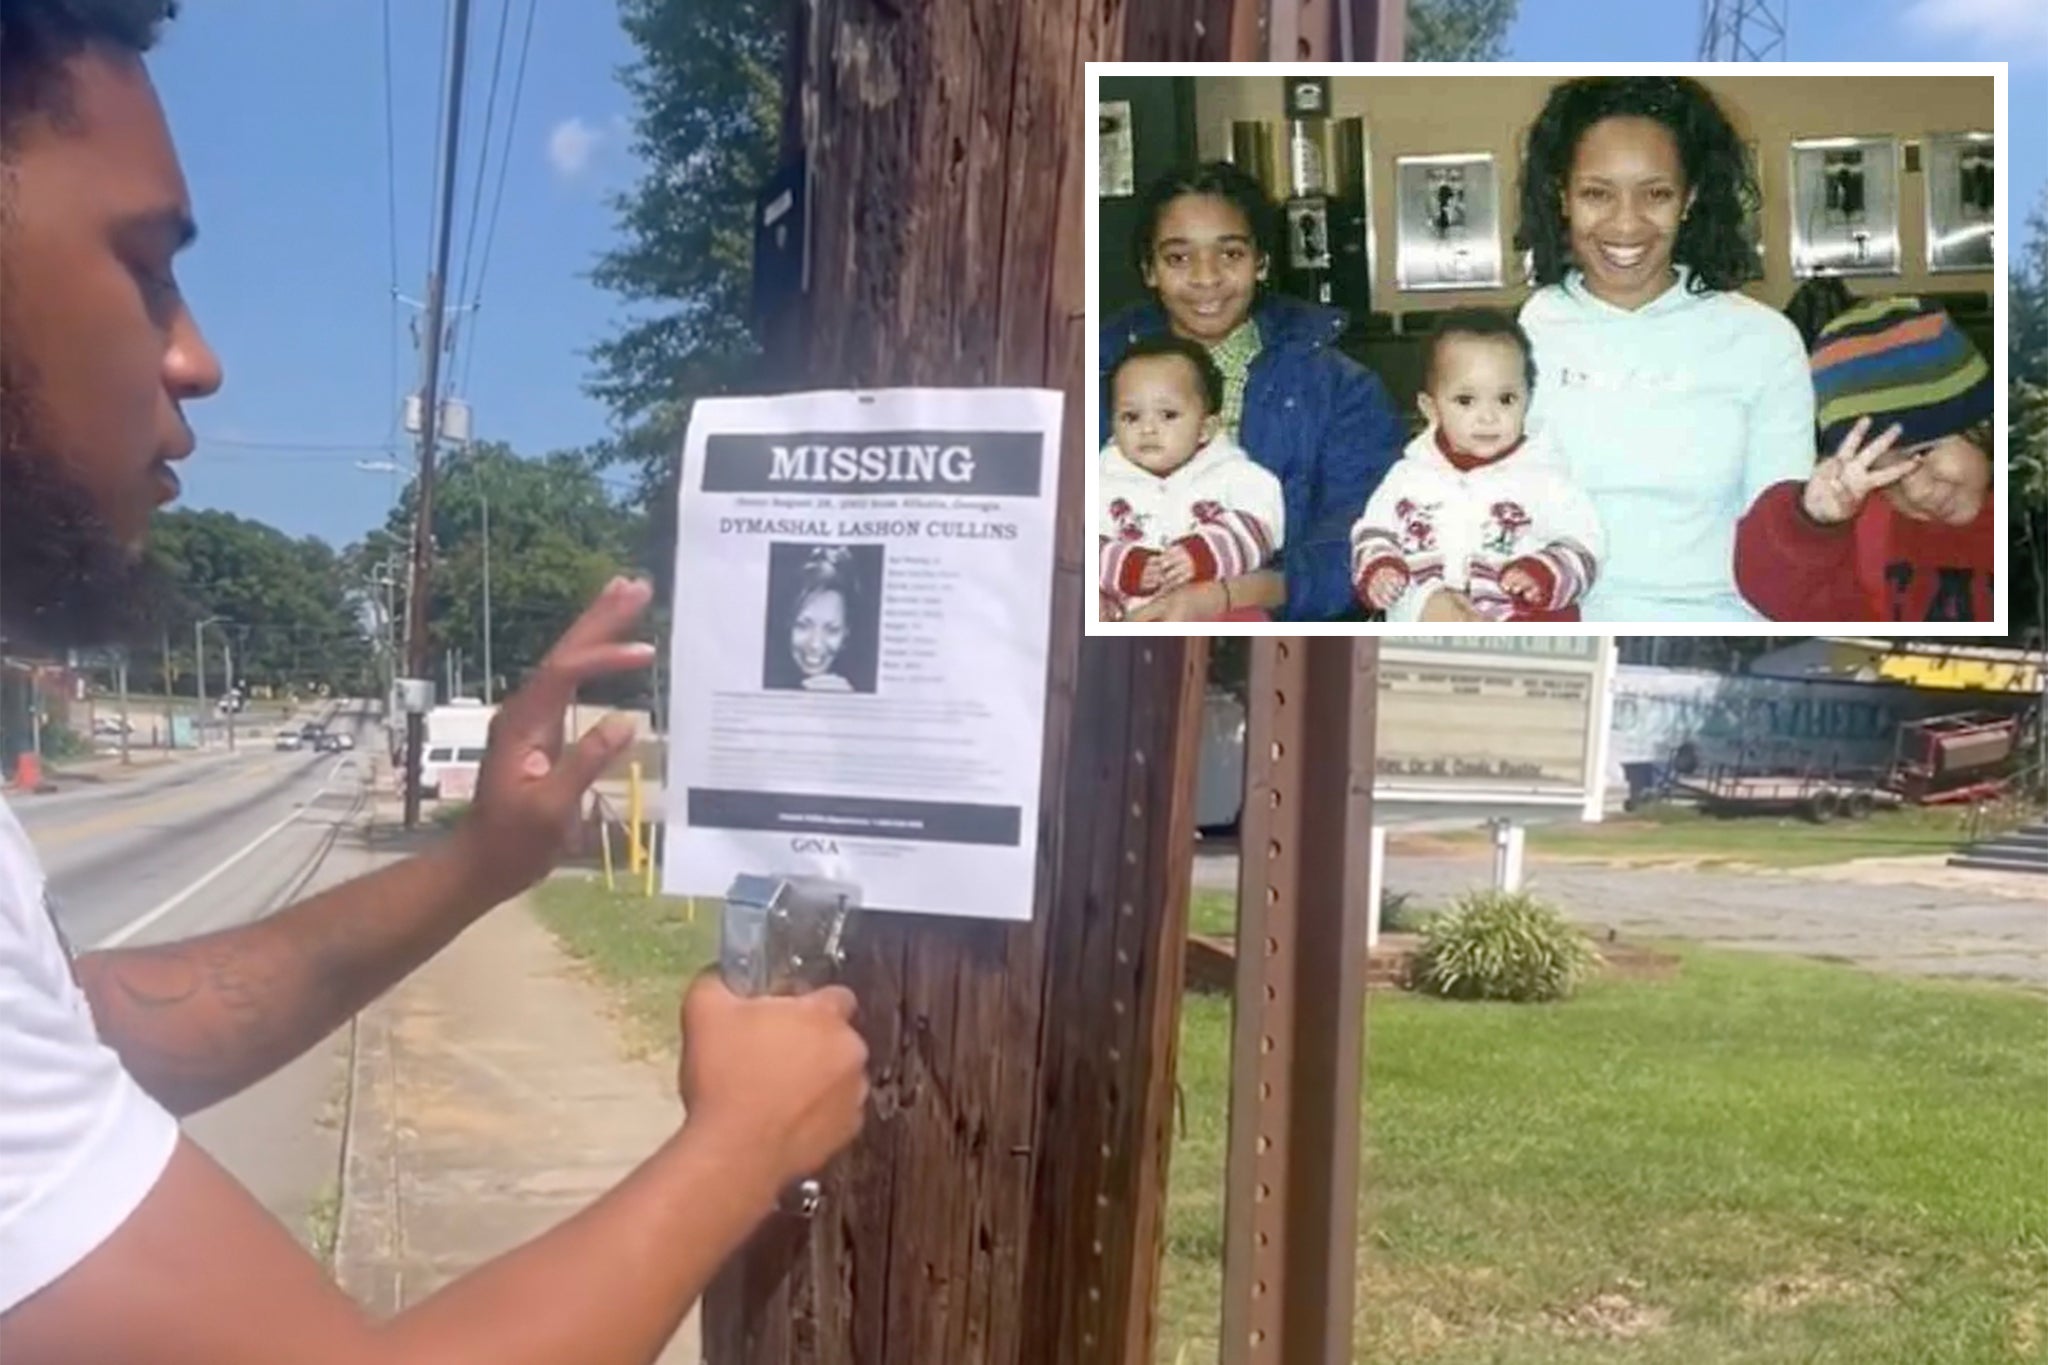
pixel 1845 206
pixel 1447 222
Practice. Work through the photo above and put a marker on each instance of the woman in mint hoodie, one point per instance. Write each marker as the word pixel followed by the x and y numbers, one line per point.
pixel 1675 399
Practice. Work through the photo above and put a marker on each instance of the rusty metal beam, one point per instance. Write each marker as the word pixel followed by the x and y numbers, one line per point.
pixel 1290 1215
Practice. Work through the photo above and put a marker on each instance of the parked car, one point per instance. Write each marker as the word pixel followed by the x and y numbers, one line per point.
pixel 288 740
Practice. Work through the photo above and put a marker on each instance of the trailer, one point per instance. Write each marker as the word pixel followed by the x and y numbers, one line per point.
pixel 1967 756
pixel 1819 796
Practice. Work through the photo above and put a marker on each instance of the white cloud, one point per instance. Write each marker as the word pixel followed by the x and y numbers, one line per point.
pixel 1995 25
pixel 571 146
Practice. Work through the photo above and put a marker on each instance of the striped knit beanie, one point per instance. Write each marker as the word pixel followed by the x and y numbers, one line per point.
pixel 1898 360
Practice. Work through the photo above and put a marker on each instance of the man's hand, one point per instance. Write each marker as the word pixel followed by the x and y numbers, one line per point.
pixel 1839 484
pixel 529 791
pixel 1195 602
pixel 780 1078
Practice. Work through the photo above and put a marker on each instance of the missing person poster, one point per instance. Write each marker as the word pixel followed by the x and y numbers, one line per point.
pixel 863 610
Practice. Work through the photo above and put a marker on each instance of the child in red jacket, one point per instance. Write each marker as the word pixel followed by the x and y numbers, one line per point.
pixel 1904 401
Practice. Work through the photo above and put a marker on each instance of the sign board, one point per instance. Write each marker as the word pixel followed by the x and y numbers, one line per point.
pixel 1493 719
pixel 863 617
pixel 1482 722
pixel 458 782
pixel 782 246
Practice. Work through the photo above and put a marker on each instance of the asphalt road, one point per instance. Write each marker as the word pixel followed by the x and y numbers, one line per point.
pixel 204 843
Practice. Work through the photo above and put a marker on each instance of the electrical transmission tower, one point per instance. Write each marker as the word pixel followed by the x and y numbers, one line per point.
pixel 1742 30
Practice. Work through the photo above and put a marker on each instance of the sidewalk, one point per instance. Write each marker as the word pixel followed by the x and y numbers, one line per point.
pixel 491 1100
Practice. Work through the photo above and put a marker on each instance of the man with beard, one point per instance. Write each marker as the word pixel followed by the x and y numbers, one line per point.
pixel 120 1240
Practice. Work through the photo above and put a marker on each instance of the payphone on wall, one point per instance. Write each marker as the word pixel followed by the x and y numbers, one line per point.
pixel 1316 173
pixel 1447 222
pixel 1962 189
pixel 1845 206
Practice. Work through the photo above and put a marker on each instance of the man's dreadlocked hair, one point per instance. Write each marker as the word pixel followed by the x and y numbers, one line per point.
pixel 38 36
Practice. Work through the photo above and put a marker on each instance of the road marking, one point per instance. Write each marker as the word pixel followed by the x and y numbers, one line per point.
pixel 122 935
pixel 47 837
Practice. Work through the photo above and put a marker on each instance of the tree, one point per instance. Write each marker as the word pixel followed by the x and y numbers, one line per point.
pixel 284 605
pixel 1459 30
pixel 556 536
pixel 707 87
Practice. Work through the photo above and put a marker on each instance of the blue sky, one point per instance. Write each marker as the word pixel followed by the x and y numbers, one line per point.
pixel 279 112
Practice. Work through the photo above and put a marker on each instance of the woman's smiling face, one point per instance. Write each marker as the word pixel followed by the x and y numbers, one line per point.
pixel 818 633
pixel 1623 202
pixel 1205 266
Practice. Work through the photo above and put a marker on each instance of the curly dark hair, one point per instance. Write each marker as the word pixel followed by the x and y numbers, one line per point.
pixel 1477 322
pixel 38 36
pixel 1218 178
pixel 828 568
pixel 1714 238
pixel 1194 352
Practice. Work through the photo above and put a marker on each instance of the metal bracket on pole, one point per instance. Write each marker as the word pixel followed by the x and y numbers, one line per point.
pixel 785 935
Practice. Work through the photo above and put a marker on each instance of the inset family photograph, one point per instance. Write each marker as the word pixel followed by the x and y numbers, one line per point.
pixel 1687 348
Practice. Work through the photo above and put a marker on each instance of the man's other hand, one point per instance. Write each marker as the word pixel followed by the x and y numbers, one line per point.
pixel 530 790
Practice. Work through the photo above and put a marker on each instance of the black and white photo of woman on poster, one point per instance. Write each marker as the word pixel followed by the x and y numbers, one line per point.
pixel 824 618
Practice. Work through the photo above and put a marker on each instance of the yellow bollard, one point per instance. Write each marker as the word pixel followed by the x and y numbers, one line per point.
pixel 633 813
pixel 604 839
pixel 650 861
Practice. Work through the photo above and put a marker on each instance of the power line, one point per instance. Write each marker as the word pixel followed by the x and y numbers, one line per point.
pixel 483 154
pixel 391 219
pixel 244 443
pixel 498 194
pixel 441 140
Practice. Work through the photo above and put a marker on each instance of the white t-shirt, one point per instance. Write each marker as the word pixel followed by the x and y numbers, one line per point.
pixel 81 1144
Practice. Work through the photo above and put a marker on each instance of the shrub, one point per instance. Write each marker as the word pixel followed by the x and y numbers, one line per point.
pixel 1400 915
pixel 61 742
pixel 1495 945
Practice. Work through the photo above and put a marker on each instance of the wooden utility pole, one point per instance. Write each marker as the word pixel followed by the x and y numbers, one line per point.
pixel 1005 1204
pixel 417 595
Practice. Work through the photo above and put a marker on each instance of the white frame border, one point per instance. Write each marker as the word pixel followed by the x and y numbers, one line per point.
pixel 1093 72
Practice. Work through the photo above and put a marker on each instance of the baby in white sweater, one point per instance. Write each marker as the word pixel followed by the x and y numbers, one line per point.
pixel 1181 502
pixel 1477 507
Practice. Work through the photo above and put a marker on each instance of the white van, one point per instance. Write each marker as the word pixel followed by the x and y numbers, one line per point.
pixel 456 735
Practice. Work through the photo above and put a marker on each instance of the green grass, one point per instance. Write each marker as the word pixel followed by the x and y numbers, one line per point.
pixel 323 1223
pixel 1763 1161
pixel 1683 834
pixel 646 949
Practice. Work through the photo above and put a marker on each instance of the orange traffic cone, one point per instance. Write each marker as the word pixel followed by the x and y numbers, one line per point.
pixel 28 771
